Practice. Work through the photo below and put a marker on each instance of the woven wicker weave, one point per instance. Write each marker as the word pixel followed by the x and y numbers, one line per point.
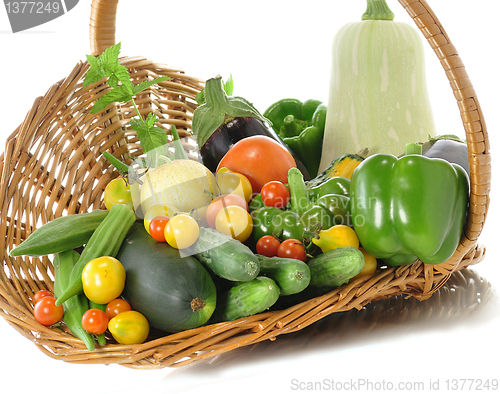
pixel 52 166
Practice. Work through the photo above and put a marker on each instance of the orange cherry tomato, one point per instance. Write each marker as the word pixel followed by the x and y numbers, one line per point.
pixel 293 249
pixel 157 227
pixel 41 294
pixel 268 245
pixel 117 306
pixel 95 321
pixel 46 311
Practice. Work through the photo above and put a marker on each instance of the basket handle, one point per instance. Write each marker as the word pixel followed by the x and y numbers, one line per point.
pixel 102 25
pixel 470 112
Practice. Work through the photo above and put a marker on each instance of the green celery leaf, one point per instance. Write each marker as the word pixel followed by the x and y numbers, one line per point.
pixel 151 119
pixel 150 136
pixel 146 84
pixel 123 76
pixel 113 81
pixel 118 94
pixel 102 66
pixel 109 58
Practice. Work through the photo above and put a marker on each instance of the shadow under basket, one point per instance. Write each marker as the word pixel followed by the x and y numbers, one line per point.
pixel 53 166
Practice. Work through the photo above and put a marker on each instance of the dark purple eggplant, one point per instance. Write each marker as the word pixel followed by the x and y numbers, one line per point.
pixel 221 121
pixel 449 148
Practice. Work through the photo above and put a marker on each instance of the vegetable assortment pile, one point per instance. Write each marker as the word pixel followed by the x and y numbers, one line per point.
pixel 254 224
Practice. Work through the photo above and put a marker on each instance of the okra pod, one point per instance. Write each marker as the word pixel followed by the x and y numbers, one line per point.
pixel 105 241
pixel 61 234
pixel 75 307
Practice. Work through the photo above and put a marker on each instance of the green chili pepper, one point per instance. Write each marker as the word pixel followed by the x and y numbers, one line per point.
pixel 339 206
pixel 301 125
pixel 308 212
pixel 409 208
pixel 262 218
pixel 255 203
pixel 336 185
pixel 304 218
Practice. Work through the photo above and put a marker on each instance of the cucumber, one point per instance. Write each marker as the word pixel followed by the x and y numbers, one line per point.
pixel 225 256
pixel 335 267
pixel 246 299
pixel 291 275
pixel 174 293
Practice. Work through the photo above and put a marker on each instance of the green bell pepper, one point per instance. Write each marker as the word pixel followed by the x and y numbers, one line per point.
pixel 301 126
pixel 409 208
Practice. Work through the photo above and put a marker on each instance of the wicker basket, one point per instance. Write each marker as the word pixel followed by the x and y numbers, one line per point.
pixel 52 166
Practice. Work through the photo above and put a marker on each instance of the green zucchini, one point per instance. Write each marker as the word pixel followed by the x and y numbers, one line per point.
pixel 291 275
pixel 60 234
pixel 225 256
pixel 335 267
pixel 174 293
pixel 246 299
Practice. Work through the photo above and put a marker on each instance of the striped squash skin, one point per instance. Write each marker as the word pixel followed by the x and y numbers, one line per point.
pixel 378 96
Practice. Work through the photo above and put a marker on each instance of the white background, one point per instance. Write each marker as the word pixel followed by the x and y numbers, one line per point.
pixel 274 49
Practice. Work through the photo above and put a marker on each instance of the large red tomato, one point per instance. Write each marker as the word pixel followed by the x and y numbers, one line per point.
pixel 261 159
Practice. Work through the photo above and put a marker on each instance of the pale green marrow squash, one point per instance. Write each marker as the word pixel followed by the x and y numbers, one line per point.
pixel 378 96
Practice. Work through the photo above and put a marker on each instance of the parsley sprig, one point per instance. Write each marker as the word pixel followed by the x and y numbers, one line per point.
pixel 152 138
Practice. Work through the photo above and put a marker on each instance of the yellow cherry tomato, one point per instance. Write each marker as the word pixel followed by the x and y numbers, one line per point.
pixel 233 182
pixel 182 231
pixel 117 191
pixel 103 279
pixel 235 222
pixel 370 264
pixel 335 237
pixel 129 328
pixel 157 210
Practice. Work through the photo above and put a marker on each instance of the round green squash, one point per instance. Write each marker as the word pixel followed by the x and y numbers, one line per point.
pixel 174 293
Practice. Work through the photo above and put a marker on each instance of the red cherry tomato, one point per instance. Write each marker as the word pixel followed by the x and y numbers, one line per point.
pixel 46 312
pixel 157 227
pixel 95 321
pixel 260 158
pixel 268 246
pixel 293 249
pixel 41 294
pixel 275 194
pixel 221 202
pixel 116 307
